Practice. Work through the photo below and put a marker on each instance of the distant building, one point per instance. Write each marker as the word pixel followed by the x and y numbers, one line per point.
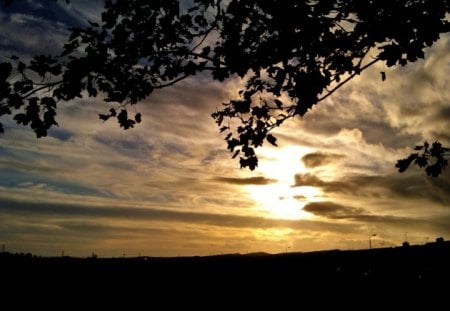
pixel 405 244
pixel 440 240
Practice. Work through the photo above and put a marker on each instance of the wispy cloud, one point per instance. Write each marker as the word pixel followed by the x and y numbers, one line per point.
pixel 259 180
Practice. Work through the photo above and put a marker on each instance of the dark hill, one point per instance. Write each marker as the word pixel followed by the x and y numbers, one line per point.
pixel 418 270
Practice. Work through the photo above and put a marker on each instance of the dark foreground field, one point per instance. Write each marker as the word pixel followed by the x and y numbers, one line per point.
pixel 403 273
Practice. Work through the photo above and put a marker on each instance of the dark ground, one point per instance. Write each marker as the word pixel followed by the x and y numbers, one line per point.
pixel 415 276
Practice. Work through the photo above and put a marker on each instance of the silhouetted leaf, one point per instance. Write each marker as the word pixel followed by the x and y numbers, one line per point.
pixel 138 117
pixel 5 70
pixel 104 117
pixel 48 102
pixel 434 170
pixel 206 50
pixel 272 139
pixel 278 103
pixel 403 164
pixel 23 87
pixel 93 24
pixel 123 120
pixel 250 162
pixel 421 161
pixel 241 106
pixel 22 118
pixel 233 143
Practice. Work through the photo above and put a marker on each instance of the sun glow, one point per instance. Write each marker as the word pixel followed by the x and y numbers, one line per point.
pixel 281 199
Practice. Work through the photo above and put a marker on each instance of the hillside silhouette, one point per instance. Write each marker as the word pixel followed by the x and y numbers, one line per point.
pixel 418 270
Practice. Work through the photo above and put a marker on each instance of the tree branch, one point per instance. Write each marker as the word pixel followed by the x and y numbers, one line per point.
pixel 348 79
pixel 49 85
pixel 160 86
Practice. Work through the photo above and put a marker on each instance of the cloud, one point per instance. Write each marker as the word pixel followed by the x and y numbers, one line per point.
pixel 335 211
pixel 26 35
pixel 260 180
pixel 315 159
pixel 418 93
pixel 332 210
pixel 393 186
pixel 63 211
pixel 83 10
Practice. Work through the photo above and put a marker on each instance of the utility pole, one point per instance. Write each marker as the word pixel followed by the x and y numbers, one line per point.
pixel 370 240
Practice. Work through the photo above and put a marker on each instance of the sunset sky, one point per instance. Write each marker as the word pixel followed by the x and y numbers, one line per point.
pixel 169 186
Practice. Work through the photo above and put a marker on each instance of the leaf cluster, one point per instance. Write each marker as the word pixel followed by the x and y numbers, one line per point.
pixel 431 158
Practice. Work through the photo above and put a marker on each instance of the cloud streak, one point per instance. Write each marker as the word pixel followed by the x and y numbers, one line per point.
pixel 393 186
pixel 151 214
pixel 259 180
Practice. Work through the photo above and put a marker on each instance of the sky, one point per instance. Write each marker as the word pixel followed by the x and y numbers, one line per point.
pixel 169 186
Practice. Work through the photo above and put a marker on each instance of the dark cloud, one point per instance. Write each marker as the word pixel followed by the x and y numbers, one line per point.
pixel 260 180
pixel 308 180
pixel 439 125
pixel 335 211
pixel 60 134
pixel 100 230
pixel 376 132
pixel 442 114
pixel 396 186
pixel 315 159
pixel 49 211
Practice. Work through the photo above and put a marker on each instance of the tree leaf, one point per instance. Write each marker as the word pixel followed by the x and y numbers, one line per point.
pixel 138 117
pixel 104 117
pixel 5 71
pixel 272 139
pixel 278 103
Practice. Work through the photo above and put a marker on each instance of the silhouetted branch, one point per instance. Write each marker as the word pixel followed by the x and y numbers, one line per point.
pixel 42 87
pixel 160 86
pixel 347 80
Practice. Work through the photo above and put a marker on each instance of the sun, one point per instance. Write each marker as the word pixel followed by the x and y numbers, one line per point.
pixel 280 199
